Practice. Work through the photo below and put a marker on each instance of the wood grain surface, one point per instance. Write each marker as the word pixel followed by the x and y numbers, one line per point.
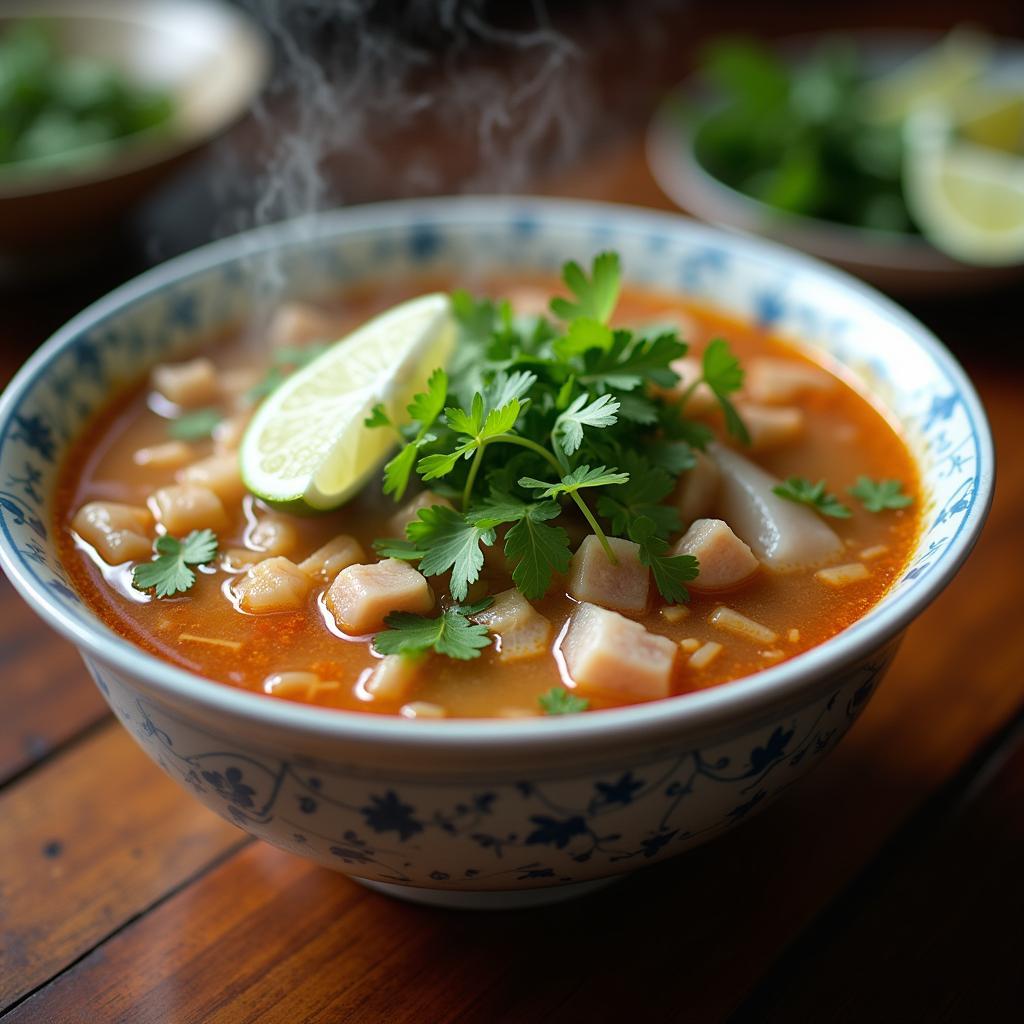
pixel 887 886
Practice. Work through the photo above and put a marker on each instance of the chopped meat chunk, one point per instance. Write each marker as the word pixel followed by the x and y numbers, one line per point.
pixel 523 631
pixel 725 561
pixel 119 533
pixel 221 473
pixel 296 324
pixel 613 657
pixel 170 455
pixel 594 578
pixel 273 536
pixel 771 427
pixel 187 384
pixel 408 512
pixel 273 585
pixel 697 489
pixel 779 381
pixel 361 596
pixel 335 555
pixel 182 508
pixel 703 398
pixel 393 677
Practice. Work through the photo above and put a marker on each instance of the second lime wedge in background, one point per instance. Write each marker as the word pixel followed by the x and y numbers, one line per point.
pixel 307 445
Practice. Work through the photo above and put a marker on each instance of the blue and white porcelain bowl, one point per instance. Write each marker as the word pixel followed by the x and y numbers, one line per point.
pixel 510 812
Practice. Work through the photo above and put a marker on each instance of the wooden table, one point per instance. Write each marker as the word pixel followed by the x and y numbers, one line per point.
pixel 888 886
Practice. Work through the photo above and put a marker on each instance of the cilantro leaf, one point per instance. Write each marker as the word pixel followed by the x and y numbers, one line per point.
pixel 423 410
pixel 641 495
pixel 169 573
pixel 450 633
pixel 595 297
pixel 580 477
pixel 395 547
pixel 194 426
pixel 877 496
pixel 560 701
pixel 568 429
pixel 721 371
pixel 670 572
pixel 634 360
pixel 378 417
pixel 538 550
pixel 800 490
pixel 448 541
pixel 637 408
pixel 583 334
pixel 674 457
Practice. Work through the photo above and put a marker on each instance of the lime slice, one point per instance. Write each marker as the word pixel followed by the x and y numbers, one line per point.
pixel 968 200
pixel 935 76
pixel 993 118
pixel 307 446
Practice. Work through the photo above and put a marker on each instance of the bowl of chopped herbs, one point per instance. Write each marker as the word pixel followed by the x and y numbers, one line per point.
pixel 897 156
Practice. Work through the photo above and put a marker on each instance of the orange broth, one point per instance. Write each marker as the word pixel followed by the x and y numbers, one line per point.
pixel 845 436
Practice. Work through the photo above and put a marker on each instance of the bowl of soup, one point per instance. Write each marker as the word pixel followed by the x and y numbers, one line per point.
pixel 506 681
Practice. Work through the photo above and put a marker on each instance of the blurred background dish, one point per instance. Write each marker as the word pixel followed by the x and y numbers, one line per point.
pixel 898 156
pixel 101 99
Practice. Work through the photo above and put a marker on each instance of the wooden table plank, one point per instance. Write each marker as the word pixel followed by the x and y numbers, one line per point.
pixel 47 696
pixel 87 842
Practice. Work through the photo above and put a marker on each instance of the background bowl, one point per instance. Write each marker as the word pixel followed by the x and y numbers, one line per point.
pixel 211 59
pixel 903 264
pixel 492 813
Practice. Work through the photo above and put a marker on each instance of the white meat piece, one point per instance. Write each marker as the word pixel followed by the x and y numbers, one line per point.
pixel 782 534
pixel 182 508
pixel 119 533
pixel 594 578
pixel 615 658
pixel 273 536
pixel 408 513
pixel 703 398
pixel 273 585
pixel 780 381
pixel 725 561
pixel 697 489
pixel 393 677
pixel 169 455
pixel 187 384
pixel 296 323
pixel 361 596
pixel 221 473
pixel 523 631
pixel 337 554
pixel 771 426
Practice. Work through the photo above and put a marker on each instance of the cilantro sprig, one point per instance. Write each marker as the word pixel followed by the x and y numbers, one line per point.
pixel 169 572
pixel 880 495
pixel 800 490
pixel 195 426
pixel 451 633
pixel 560 701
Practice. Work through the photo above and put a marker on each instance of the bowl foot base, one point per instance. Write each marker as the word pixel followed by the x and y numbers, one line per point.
pixel 511 899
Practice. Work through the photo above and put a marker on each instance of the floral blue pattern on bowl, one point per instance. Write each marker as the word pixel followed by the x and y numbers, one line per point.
pixel 492 813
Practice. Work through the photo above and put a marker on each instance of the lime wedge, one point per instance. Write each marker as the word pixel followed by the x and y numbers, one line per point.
pixel 993 118
pixel 935 76
pixel 307 446
pixel 968 200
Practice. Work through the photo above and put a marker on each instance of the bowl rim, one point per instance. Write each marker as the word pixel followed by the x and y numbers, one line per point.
pixel 671 157
pixel 150 147
pixel 731 702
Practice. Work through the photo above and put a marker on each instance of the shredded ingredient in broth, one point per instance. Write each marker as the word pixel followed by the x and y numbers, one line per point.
pixel 651 582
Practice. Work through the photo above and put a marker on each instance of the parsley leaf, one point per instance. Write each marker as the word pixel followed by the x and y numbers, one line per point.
pixel 560 701
pixel 633 360
pixel 568 430
pixel 641 495
pixel 877 496
pixel 448 541
pixel 670 571
pixel 580 477
pixel 583 334
pixel 169 573
pixel 803 492
pixel 722 373
pixel 595 297
pixel 451 633
pixel 194 426
pixel 423 410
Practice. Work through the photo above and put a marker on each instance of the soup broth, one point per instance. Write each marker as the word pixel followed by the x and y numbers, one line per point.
pixel 127 455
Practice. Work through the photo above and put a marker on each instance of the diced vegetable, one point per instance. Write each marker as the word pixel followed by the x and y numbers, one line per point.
pixel 725 561
pixel 613 657
pixel 622 585
pixel 362 596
